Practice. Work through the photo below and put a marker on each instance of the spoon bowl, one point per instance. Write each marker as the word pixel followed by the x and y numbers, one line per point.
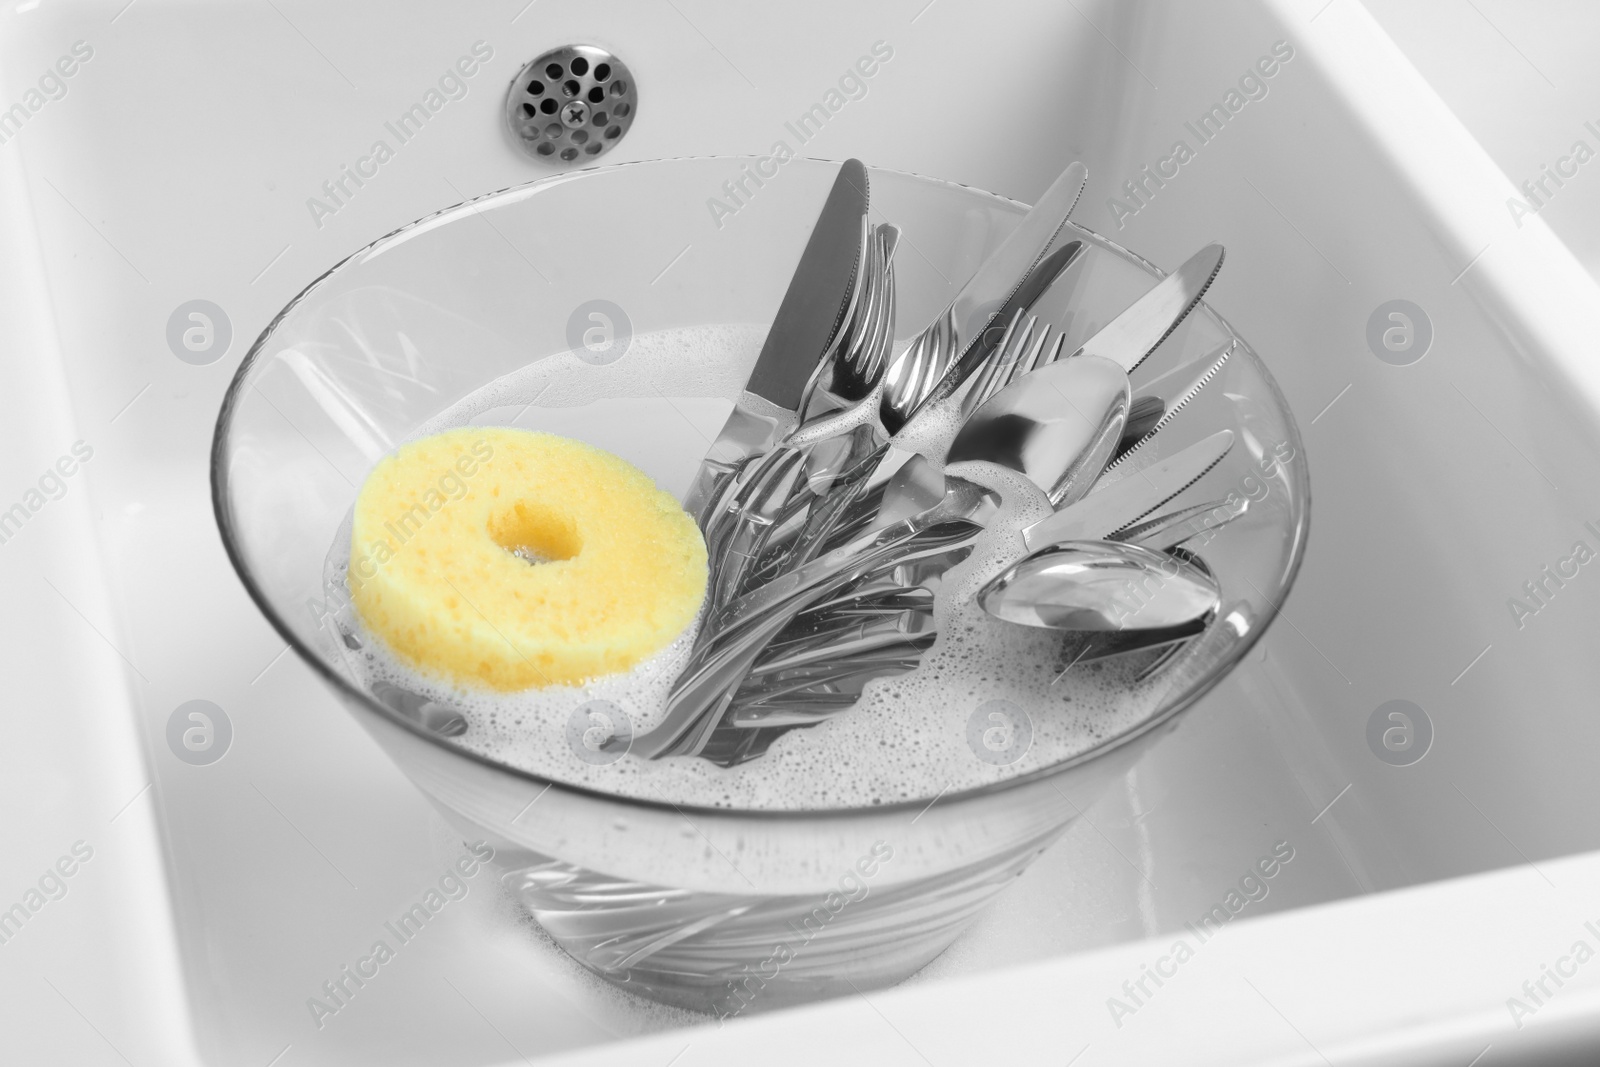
pixel 1058 425
pixel 1100 587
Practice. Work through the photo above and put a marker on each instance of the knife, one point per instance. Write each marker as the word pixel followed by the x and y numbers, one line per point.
pixel 807 320
pixel 1034 285
pixel 1013 276
pixel 1149 320
pixel 1138 457
pixel 1120 505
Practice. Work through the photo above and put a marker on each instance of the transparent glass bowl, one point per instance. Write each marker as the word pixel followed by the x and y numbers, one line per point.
pixel 714 909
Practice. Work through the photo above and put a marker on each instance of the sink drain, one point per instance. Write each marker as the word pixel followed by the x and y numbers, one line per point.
pixel 571 104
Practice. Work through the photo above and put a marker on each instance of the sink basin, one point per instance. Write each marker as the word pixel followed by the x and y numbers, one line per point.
pixel 1415 886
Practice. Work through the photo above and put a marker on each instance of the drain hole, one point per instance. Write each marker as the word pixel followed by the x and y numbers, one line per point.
pixel 570 103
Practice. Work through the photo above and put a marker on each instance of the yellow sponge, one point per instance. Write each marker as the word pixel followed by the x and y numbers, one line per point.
pixel 508 559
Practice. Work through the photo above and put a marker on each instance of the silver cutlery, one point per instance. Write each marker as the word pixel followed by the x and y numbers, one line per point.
pixel 1101 586
pixel 807 321
pixel 995 283
pixel 828 534
pixel 780 482
pixel 712 679
pixel 1141 327
pixel 1131 455
pixel 1168 531
pixel 1102 513
pixel 1074 408
pixel 1027 428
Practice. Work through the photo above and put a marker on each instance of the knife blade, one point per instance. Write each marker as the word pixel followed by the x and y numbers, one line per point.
pixel 1120 505
pixel 1140 456
pixel 997 277
pixel 806 322
pixel 1015 275
pixel 1034 285
pixel 1145 323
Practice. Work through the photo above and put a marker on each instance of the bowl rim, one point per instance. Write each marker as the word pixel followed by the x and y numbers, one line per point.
pixel 352 694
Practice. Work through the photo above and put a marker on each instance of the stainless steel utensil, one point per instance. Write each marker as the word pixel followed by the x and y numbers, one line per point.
pixel 857 359
pixel 994 283
pixel 1106 511
pixel 1168 531
pixel 1128 339
pixel 779 482
pixel 709 683
pixel 1141 327
pixel 1131 454
pixel 1101 586
pixel 1075 408
pixel 1026 427
pixel 808 319
pixel 899 406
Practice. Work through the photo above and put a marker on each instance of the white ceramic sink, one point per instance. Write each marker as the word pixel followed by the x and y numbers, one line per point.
pixel 176 163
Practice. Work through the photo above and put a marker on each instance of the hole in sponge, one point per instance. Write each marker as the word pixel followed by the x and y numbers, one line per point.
pixel 535 533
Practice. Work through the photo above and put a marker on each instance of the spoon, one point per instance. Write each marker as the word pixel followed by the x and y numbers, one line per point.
pixel 1099 587
pixel 1075 408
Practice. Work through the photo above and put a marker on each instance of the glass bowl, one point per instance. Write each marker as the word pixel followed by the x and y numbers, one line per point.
pixel 706 906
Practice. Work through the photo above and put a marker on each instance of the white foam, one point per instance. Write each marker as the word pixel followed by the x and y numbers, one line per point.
pixel 908 738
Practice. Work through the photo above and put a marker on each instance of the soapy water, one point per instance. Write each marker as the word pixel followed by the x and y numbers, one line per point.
pixel 989 701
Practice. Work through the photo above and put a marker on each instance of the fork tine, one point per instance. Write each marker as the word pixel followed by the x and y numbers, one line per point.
pixel 1026 366
pixel 986 375
pixel 1055 350
pixel 1011 356
pixel 882 304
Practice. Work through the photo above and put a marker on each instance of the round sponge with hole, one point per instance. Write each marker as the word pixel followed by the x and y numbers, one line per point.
pixel 506 559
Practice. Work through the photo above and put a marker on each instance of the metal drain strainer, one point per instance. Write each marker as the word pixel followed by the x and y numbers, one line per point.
pixel 571 104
